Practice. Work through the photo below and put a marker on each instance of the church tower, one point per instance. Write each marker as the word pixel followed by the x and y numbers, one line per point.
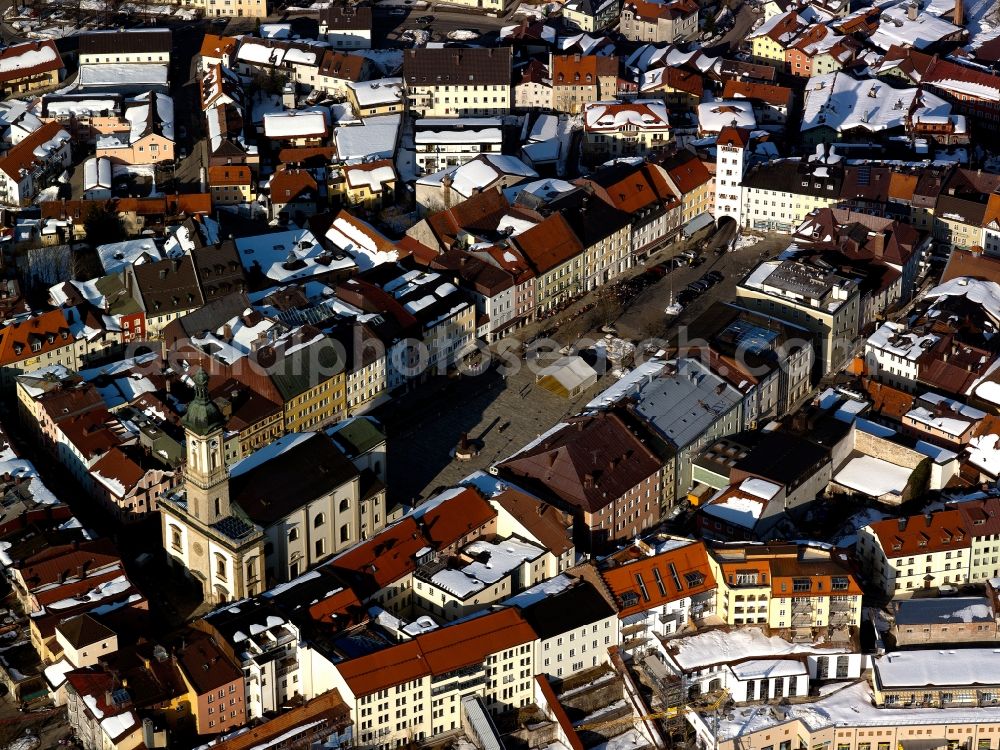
pixel 212 541
pixel 206 478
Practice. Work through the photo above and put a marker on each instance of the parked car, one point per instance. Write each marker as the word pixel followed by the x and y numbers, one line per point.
pixel 715 276
pixel 425 19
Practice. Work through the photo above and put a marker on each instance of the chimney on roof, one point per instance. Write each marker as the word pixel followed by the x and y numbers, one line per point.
pixel 958 17
pixel 901 523
pixel 928 517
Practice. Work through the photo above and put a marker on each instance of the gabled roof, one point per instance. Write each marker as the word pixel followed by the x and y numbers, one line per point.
pixel 653 581
pixel 83 630
pixel 167 286
pixel 134 41
pixel 921 535
pixel 687 171
pixel 289 185
pixel 49 331
pixel 387 556
pixel 29 59
pixel 448 521
pixel 730 136
pixel 346 16
pixel 588 463
pixel 206 666
pixel 327 711
pixel 46 566
pixel 438 652
pixel 116 471
pixel 549 525
pixel 451 66
pixel 230 174
pixel 25 154
pixel 582 70
pixel 548 244
pixel 213 45
pixel 575 607
pixel 288 474
pixel 342 65
pixel 764 92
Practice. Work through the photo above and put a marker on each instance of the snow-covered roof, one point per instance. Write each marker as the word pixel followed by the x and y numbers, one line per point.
pixel 234 339
pixel 957 420
pixel 97 173
pixel 983 293
pixel 111 76
pixel 259 52
pixel 361 241
pixel 965 667
pixel 547 188
pixel 377 92
pixel 58 294
pixel 30 55
pixel 375 138
pixel 295 124
pixel 984 453
pixel 759 669
pixel 430 131
pixel 641 114
pixel 25 470
pixel 736 510
pixel 499 559
pixel 896 28
pixel 714 116
pixel 480 173
pixel 373 179
pixel 838 101
pixel 742 504
pixel 850 707
pixel 896 340
pixel 287 256
pixel 873 476
pixel 117 256
pixel 269 452
pixel 701 650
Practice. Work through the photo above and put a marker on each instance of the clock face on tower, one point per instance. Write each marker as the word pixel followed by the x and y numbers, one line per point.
pixel 197 549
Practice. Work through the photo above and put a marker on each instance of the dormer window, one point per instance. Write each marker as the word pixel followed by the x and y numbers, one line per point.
pixel 36 345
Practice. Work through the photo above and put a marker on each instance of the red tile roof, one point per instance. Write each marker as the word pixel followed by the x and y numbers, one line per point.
pixel 437 652
pixel 289 184
pixel 213 45
pixel 449 521
pixel 548 244
pixel 230 174
pixel 694 576
pixel 10 55
pixel 22 156
pixel 924 534
pixel 582 70
pixel 778 95
pixel 49 331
